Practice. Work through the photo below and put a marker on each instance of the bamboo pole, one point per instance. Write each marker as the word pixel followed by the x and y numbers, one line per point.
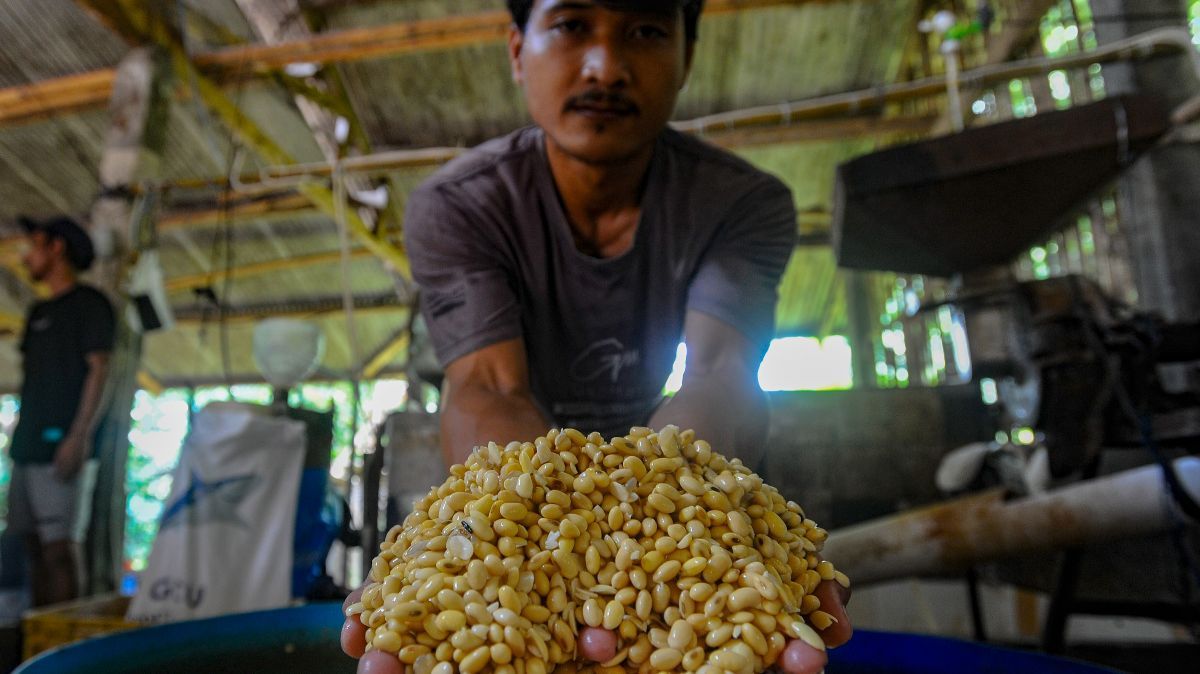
pixel 179 283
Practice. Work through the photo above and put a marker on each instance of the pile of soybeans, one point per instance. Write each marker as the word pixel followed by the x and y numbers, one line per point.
pixel 695 563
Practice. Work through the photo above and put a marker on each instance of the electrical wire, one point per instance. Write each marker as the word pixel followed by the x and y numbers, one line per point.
pixel 355 369
pixel 224 233
pixel 1178 502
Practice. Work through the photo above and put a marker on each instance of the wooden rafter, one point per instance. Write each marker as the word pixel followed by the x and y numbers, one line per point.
pixel 180 283
pixel 393 346
pixel 269 208
pixel 266 209
pixel 91 90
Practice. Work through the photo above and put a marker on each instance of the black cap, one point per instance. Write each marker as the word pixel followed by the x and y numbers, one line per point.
pixel 80 251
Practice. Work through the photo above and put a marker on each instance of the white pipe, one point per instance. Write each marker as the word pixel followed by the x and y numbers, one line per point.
pixel 948 537
pixel 953 93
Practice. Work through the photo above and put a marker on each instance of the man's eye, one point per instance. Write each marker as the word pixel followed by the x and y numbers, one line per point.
pixel 568 26
pixel 649 33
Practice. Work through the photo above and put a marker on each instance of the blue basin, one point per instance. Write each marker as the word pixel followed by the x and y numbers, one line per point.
pixel 305 639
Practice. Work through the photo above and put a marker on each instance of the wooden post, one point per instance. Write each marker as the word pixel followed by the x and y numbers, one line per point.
pixel 132 150
pixel 864 328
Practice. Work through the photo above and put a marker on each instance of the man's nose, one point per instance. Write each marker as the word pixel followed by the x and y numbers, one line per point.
pixel 605 65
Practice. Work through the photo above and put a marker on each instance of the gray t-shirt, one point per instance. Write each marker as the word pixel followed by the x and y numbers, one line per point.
pixel 492 251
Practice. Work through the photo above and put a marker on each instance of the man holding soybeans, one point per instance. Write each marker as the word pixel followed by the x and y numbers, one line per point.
pixel 561 265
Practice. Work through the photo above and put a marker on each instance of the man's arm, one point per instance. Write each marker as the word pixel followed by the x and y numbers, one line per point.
pixel 70 454
pixel 487 398
pixel 720 397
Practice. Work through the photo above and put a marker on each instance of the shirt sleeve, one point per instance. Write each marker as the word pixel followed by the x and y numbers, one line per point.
pixel 737 280
pixel 468 297
pixel 99 325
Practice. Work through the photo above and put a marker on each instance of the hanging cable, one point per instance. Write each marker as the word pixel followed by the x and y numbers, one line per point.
pixel 355 364
pixel 1178 503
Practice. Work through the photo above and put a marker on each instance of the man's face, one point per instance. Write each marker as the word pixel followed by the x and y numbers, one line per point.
pixel 40 252
pixel 601 82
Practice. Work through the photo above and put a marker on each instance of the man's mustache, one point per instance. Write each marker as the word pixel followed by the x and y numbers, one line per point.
pixel 603 99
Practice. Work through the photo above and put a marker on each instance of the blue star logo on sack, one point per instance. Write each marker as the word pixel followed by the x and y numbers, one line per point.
pixel 213 502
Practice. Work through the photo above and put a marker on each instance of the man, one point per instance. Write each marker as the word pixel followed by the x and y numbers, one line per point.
pixel 561 265
pixel 66 347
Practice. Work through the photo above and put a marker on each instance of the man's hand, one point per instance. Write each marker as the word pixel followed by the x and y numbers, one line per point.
pixel 354 644
pixel 600 645
pixel 69 456
pixel 487 397
pixel 720 398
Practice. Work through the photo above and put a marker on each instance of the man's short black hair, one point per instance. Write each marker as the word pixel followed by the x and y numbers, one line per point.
pixel 520 10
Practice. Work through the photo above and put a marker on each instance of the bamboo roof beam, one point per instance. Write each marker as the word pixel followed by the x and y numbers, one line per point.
pixel 72 93
pixel 91 90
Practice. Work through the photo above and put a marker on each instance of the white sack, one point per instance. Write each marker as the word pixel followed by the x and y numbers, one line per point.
pixel 225 540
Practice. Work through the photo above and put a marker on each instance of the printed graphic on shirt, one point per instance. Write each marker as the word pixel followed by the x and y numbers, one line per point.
pixel 604 359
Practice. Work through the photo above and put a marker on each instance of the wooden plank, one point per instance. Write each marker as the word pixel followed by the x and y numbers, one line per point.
pixel 270 208
pixel 89 90
pixel 408 37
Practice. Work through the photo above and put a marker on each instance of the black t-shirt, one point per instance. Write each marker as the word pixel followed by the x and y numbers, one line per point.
pixel 59 335
pixel 493 253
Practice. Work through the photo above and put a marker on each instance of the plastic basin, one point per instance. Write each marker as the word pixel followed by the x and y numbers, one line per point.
pixel 305 639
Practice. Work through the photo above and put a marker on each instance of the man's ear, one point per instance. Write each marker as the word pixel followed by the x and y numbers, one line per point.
pixel 57 246
pixel 516 42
